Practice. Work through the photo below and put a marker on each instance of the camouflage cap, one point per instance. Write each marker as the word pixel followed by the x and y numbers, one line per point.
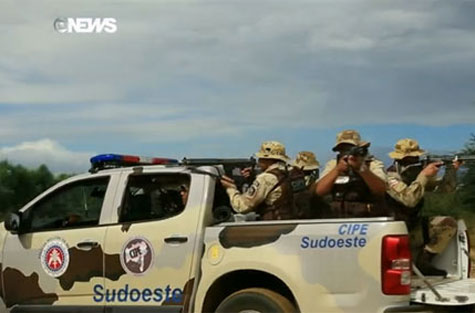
pixel 306 160
pixel 406 148
pixel 272 150
pixel 351 137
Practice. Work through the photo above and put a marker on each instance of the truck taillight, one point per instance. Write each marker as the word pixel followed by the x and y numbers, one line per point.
pixel 396 265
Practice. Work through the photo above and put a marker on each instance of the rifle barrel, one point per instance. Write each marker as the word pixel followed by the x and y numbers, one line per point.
pixel 211 161
pixel 450 158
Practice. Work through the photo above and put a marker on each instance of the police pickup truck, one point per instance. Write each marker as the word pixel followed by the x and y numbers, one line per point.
pixel 156 235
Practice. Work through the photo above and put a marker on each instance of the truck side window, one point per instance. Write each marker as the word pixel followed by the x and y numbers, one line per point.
pixel 150 197
pixel 77 204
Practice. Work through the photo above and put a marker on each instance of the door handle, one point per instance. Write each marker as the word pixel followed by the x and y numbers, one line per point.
pixel 176 239
pixel 87 245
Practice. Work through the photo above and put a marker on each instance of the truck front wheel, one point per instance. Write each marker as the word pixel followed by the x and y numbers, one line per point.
pixel 256 300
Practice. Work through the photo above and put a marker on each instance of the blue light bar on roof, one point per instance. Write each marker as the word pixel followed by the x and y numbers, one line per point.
pixel 105 158
pixel 102 161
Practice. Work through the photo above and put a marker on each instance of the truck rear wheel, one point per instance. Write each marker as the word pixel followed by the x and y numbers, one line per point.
pixel 256 300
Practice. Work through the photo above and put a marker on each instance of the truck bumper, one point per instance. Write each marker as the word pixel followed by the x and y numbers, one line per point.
pixel 430 309
pixel 410 309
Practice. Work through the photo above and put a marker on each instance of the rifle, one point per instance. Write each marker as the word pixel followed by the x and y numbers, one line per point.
pixel 232 167
pixel 447 159
pixel 354 151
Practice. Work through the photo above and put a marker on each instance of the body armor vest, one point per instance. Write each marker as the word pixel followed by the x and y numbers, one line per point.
pixel 351 188
pixel 282 208
pixel 351 197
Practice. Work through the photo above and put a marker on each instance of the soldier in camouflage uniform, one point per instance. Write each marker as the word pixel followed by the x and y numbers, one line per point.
pixel 312 206
pixel 407 183
pixel 270 195
pixel 308 163
pixel 357 185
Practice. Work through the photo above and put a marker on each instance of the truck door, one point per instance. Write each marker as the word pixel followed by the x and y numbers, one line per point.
pixel 157 220
pixel 58 254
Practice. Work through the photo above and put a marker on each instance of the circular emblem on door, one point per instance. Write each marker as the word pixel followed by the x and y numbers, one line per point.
pixel 137 256
pixel 55 257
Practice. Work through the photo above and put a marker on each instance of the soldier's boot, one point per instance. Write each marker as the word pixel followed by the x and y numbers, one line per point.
pixel 423 263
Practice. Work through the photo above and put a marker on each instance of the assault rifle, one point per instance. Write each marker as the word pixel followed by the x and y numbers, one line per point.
pixel 354 151
pixel 447 159
pixel 232 167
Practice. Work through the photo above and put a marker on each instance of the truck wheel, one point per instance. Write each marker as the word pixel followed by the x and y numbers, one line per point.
pixel 256 300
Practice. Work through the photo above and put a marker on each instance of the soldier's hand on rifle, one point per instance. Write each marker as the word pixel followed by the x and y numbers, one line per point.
pixel 432 169
pixel 246 172
pixel 456 163
pixel 342 165
pixel 355 162
pixel 227 182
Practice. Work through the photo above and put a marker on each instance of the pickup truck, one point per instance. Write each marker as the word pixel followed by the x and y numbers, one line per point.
pixel 158 235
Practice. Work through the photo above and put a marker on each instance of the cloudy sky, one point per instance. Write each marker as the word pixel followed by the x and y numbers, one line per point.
pixel 215 78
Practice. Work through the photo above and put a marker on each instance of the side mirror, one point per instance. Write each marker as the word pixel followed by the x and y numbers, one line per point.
pixel 12 223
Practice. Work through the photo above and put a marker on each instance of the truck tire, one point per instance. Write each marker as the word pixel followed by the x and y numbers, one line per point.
pixel 256 300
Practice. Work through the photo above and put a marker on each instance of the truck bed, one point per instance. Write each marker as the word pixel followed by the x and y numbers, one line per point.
pixel 453 293
pixel 418 283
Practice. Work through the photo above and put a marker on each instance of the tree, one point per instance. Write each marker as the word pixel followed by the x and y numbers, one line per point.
pixel 18 185
pixel 468 182
pixel 462 202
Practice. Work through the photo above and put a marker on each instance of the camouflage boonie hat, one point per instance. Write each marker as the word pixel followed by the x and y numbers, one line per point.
pixel 306 160
pixel 350 136
pixel 272 150
pixel 406 148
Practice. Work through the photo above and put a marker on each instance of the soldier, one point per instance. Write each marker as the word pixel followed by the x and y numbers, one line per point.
pixel 407 183
pixel 270 195
pixel 184 194
pixel 310 205
pixel 357 185
pixel 308 163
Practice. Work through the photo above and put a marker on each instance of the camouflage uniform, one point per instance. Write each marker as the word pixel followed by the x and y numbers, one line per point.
pixel 357 200
pixel 307 162
pixel 269 193
pixel 406 197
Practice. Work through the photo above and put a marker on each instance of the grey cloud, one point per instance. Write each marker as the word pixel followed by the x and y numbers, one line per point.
pixel 204 65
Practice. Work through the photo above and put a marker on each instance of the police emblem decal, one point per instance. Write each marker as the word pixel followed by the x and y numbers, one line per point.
pixel 137 256
pixel 55 257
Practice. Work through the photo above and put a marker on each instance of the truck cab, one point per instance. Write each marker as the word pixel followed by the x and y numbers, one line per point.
pixel 157 235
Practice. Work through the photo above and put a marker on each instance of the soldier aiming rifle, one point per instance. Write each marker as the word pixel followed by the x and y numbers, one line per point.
pixel 356 183
pixel 242 171
pixel 409 177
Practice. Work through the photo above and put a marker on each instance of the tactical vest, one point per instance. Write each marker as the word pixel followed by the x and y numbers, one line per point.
pixel 351 188
pixel 303 198
pixel 310 177
pixel 282 208
pixel 412 216
pixel 351 197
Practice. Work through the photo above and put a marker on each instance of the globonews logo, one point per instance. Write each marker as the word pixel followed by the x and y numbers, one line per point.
pixel 85 25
